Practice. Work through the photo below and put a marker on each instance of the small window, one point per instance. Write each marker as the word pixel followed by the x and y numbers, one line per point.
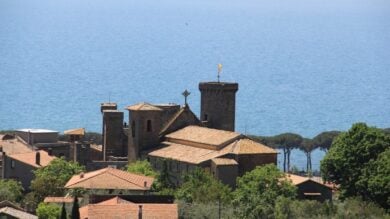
pixel 133 129
pixel 149 125
pixel 12 164
pixel 205 117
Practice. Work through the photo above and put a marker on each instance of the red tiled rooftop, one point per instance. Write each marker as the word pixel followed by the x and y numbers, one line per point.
pixel 110 178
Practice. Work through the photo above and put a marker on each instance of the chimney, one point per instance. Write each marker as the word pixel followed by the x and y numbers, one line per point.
pixel 50 151
pixel 81 175
pixel 139 211
pixel 38 158
pixel 145 183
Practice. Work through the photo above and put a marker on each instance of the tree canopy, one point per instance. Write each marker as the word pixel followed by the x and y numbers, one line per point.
pixel 258 190
pixel 355 162
pixel 324 139
pixel 48 211
pixel 142 167
pixel 199 186
pixel 10 190
pixel 50 180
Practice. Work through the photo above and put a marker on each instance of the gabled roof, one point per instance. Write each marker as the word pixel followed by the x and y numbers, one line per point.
pixel 7 203
pixel 197 155
pixel 79 131
pixel 183 117
pixel 14 146
pixel 143 106
pixel 110 178
pixel 297 180
pixel 119 208
pixel 16 213
pixel 202 136
pixel 30 158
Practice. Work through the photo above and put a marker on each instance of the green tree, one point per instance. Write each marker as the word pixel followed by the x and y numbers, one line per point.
pixel 48 211
pixel 376 180
pixel 287 142
pixel 63 212
pixel 10 190
pixel 50 180
pixel 308 146
pixel 349 157
pixel 163 184
pixel 75 209
pixel 199 186
pixel 142 167
pixel 258 190
pixel 324 139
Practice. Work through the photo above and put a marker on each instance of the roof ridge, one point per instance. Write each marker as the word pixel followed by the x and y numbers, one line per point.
pixel 98 172
pixel 126 180
pixel 173 119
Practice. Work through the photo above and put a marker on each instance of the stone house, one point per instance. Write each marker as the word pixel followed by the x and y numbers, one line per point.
pixel 111 181
pixel 310 189
pixel 20 166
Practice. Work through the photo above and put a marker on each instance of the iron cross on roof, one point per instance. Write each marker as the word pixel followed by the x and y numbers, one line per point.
pixel 186 94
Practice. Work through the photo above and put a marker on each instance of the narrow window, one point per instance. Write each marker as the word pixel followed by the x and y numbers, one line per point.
pixel 205 117
pixel 12 164
pixel 149 125
pixel 133 129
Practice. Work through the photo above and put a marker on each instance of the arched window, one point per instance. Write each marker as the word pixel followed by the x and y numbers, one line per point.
pixel 149 125
pixel 133 129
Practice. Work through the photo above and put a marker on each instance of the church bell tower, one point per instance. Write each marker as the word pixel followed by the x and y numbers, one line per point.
pixel 218 104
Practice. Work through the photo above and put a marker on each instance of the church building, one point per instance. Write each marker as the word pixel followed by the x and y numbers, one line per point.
pixel 174 134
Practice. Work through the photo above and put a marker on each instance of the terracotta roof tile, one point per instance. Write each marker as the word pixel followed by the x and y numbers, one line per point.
pixel 79 131
pixel 144 106
pixel 224 161
pixel 110 178
pixel 60 199
pixel 30 158
pixel 15 213
pixel 14 146
pixel 196 134
pixel 196 155
pixel 296 180
pixel 111 209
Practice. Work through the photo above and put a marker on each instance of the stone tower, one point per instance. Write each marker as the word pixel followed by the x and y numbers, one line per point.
pixel 144 127
pixel 218 104
pixel 113 135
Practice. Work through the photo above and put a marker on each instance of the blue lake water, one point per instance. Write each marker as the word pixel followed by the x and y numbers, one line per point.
pixel 303 66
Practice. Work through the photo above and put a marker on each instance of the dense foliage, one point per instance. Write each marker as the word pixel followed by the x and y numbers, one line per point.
pixel 199 186
pixel 142 167
pixel 258 190
pixel 10 190
pixel 358 161
pixel 50 180
pixel 48 211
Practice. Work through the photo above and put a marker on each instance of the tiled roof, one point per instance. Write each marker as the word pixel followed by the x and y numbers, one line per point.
pixel 224 161
pixel 111 209
pixel 296 180
pixel 15 213
pixel 30 158
pixel 114 201
pixel 196 134
pixel 110 178
pixel 247 146
pixel 79 131
pixel 59 199
pixel 196 155
pixel 143 106
pixel 14 146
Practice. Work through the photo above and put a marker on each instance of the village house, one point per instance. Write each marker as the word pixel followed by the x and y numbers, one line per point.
pixel 9 210
pixel 119 208
pixel 20 166
pixel 307 188
pixel 111 181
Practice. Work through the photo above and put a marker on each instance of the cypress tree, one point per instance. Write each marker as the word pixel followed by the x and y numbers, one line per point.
pixel 63 211
pixel 75 209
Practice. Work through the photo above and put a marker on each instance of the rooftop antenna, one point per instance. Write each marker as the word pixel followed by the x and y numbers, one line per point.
pixel 185 94
pixel 219 70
